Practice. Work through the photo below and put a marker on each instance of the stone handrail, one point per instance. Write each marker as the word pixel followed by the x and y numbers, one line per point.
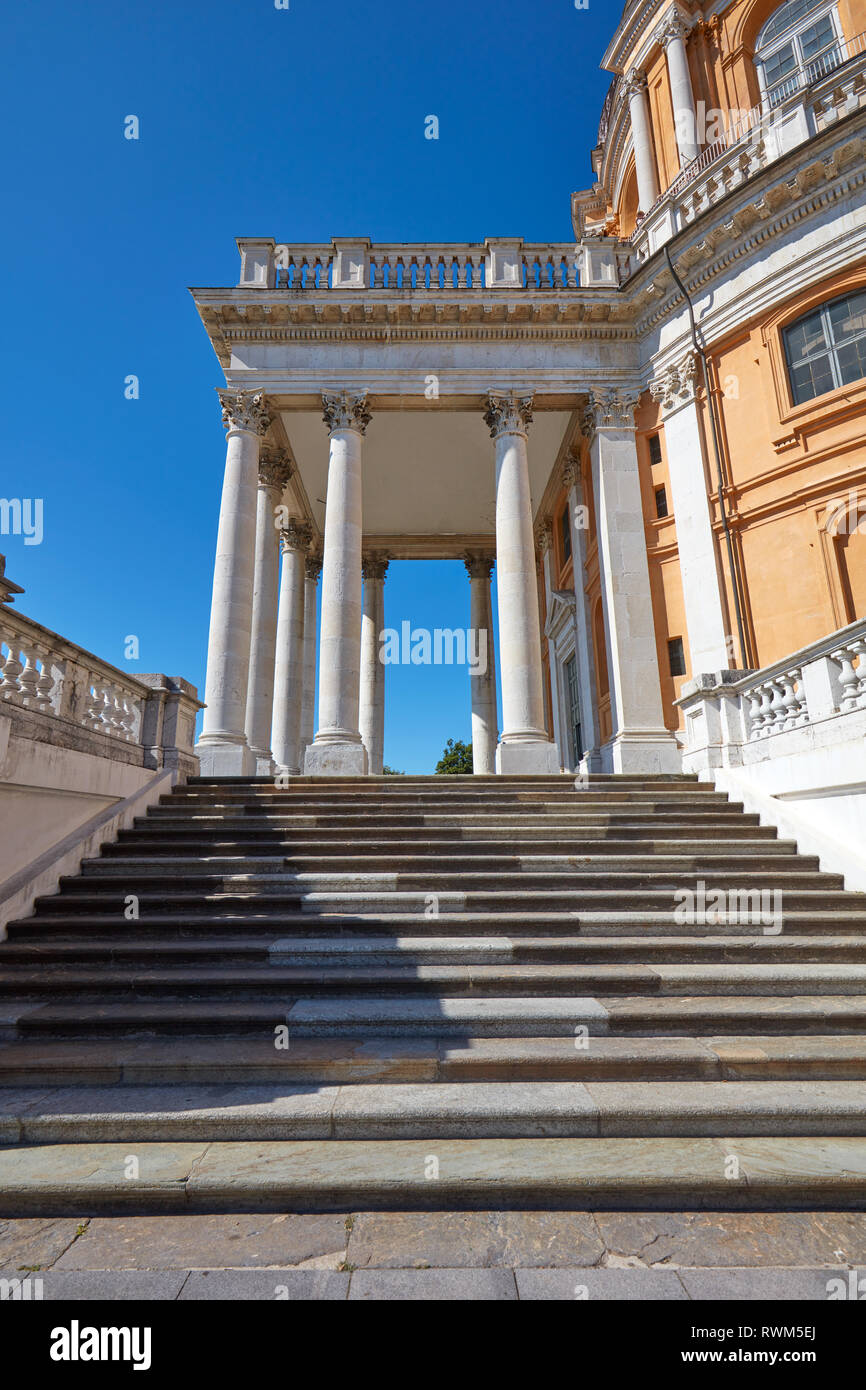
pixel 43 672
pixel 823 680
pixel 498 264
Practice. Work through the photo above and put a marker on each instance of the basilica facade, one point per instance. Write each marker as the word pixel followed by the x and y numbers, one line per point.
pixel 653 434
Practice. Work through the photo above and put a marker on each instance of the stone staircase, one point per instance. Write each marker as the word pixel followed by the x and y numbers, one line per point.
pixel 434 992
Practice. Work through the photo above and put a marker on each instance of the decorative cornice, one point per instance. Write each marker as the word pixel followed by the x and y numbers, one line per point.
pixel 313 567
pixel 479 566
pixel 295 535
pixel 374 566
pixel 245 410
pixel 675 386
pixel 275 468
pixel 508 414
pixel 345 412
pixel 612 409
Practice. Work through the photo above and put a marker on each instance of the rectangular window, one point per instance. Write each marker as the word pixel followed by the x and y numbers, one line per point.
pixel 661 502
pixel 677 656
pixel 575 736
pixel 565 535
pixel 655 449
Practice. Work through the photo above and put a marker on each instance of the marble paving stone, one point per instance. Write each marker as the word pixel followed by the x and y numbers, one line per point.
pixel 480 1239
pixel 735 1238
pixel 431 1285
pixel 76 1171
pixel 113 1285
pixel 35 1242
pixel 759 1284
pixel 579 1285
pixel 206 1242
pixel 277 1285
pixel 468 1110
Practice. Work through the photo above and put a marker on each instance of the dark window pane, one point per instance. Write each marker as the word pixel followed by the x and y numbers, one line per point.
pixel 818 37
pixel 661 502
pixel 788 15
pixel 806 336
pixel 565 535
pixel 848 316
pixel 655 449
pixel 812 379
pixel 780 65
pixel 677 656
pixel 852 361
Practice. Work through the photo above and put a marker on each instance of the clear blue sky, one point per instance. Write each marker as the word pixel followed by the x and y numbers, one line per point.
pixel 302 125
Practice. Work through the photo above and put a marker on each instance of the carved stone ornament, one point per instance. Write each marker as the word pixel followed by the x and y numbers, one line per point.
pixel 509 414
pixel 245 410
pixel 479 566
pixel 613 409
pixel 313 566
pixel 374 566
pixel 676 384
pixel 345 412
pixel 275 468
pixel 295 535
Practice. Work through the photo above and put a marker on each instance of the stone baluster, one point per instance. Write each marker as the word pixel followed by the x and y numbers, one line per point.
pixel 46 683
pixel 10 689
pixel 849 679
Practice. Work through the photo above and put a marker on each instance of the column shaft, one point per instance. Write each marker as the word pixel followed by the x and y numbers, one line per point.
pixel 644 155
pixel 337 749
pixel 223 748
pixel 289 676
pixel 640 742
pixel 482 680
pixel 372 704
pixel 308 707
pixel 524 745
pixel 273 475
pixel 672 36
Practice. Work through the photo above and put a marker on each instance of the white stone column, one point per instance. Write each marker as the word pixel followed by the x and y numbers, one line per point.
pixel 274 474
pixel 337 749
pixel 671 36
pixel 482 682
pixel 372 705
pixel 674 389
pixel 644 154
pixel 289 674
pixel 308 707
pixel 579 513
pixel 640 741
pixel 524 746
pixel 223 747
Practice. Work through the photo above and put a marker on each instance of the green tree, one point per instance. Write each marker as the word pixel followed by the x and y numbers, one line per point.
pixel 391 772
pixel 456 760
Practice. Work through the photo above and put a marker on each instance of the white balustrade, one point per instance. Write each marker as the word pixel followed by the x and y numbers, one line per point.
pixel 417 269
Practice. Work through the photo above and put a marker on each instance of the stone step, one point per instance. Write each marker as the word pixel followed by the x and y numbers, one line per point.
pixel 474 781
pixel 376 1016
pixel 322 1061
pixel 814 1172
pixel 523 806
pixel 105 951
pixel 542 868
pixel 724 820
pixel 255 846
pixel 596 925
pixel 443 981
pixel 464 1110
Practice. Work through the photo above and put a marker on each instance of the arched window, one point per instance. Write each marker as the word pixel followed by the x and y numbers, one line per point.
pixel 826 348
pixel 799 44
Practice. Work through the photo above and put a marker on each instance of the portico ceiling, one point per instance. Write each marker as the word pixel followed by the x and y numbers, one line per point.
pixel 426 473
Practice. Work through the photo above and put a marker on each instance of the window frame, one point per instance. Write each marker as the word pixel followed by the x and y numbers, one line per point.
pixel 793 36
pixel 830 349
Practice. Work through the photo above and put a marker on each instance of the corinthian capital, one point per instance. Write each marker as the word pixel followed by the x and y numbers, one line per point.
pixel 313 566
pixel 245 410
pixel 275 468
pixel 613 410
pixel 672 27
pixel 508 414
pixel 636 82
pixel 479 566
pixel 374 566
pixel 345 412
pixel 295 535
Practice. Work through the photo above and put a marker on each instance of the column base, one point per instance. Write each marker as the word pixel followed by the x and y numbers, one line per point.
pixel 225 760
pixel 526 759
pixel 643 751
pixel 336 760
